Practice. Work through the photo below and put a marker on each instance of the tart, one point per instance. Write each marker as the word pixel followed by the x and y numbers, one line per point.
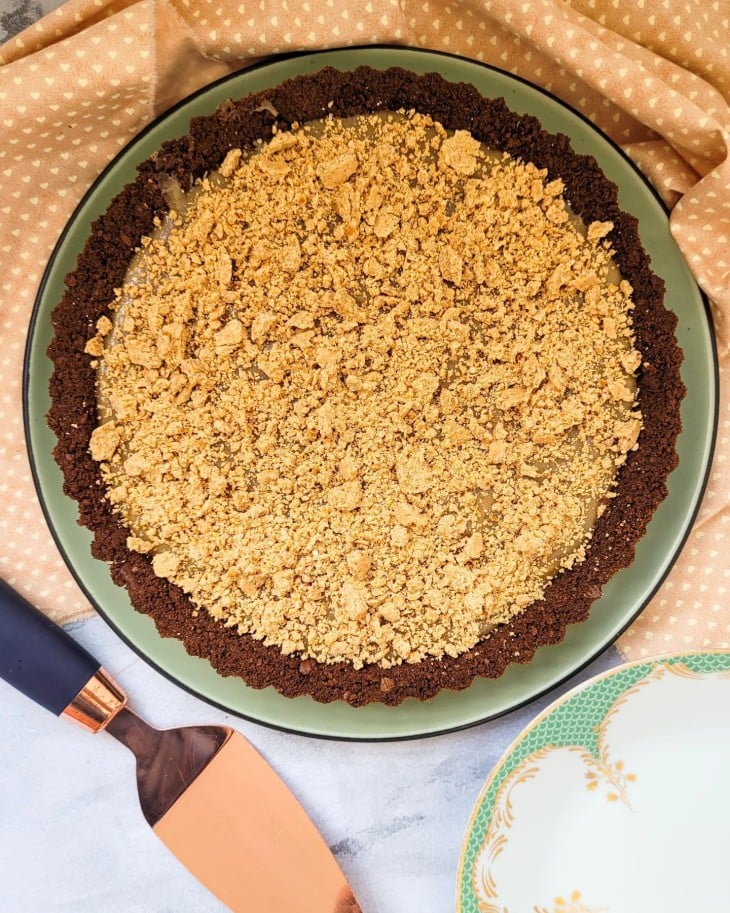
pixel 365 387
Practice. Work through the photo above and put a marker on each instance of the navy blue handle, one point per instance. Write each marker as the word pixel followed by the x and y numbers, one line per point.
pixel 39 658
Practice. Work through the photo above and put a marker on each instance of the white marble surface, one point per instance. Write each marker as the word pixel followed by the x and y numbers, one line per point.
pixel 72 838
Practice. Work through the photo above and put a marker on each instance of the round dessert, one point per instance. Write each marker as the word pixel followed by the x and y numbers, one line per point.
pixel 372 390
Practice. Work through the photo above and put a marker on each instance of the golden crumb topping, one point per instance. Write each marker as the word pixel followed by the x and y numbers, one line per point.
pixel 366 392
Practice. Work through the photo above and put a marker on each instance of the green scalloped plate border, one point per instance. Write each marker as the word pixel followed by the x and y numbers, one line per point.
pixel 623 597
pixel 573 719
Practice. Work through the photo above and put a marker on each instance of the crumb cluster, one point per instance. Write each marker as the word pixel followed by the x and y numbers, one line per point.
pixel 368 392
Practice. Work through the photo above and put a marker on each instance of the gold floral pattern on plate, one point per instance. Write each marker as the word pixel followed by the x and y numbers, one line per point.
pixel 589 810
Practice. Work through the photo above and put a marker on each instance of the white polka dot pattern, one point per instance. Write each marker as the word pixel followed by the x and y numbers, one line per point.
pixel 652 74
pixel 70 100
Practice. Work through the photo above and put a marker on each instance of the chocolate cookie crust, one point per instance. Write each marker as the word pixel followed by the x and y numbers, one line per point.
pixel 101 269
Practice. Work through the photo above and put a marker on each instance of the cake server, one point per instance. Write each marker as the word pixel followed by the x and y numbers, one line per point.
pixel 204 790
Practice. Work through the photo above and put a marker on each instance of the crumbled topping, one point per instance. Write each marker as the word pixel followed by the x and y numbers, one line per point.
pixel 104 441
pixel 369 393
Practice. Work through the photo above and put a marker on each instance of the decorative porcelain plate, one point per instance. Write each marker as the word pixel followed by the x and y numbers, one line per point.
pixel 623 597
pixel 616 799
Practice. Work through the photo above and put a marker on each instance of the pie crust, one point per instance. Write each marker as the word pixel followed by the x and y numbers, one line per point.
pixel 102 267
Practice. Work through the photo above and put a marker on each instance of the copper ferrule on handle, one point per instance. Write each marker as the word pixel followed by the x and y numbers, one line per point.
pixel 98 702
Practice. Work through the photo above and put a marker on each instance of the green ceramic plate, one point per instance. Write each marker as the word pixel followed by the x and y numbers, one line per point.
pixel 626 776
pixel 623 597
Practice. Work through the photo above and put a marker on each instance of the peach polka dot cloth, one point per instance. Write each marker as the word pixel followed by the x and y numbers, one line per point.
pixel 78 85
